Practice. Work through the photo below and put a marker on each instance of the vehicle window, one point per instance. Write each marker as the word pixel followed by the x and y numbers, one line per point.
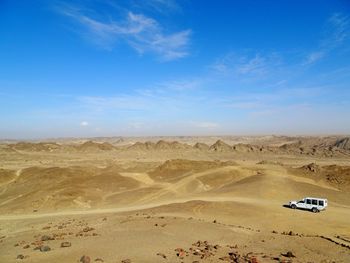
pixel 314 202
pixel 321 203
pixel 308 201
pixel 301 202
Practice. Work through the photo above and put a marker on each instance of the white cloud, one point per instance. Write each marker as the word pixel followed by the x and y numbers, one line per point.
pixel 142 33
pixel 247 63
pixel 336 34
pixel 314 57
pixel 206 125
pixel 84 124
pixel 338 30
pixel 256 64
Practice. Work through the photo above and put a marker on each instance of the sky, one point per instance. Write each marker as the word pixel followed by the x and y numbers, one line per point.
pixel 174 67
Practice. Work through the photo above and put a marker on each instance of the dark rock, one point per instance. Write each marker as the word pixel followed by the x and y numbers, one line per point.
pixel 126 261
pixel 45 248
pixel 85 259
pixel 99 260
pixel 289 254
pixel 20 256
pixel 26 246
pixel 46 238
pixel 87 229
pixel 66 244
pixel 162 255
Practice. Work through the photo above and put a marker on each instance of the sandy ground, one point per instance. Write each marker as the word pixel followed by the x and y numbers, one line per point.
pixel 171 206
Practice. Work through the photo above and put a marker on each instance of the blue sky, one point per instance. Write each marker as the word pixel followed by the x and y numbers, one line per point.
pixel 166 67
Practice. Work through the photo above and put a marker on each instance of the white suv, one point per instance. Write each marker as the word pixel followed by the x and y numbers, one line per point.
pixel 310 203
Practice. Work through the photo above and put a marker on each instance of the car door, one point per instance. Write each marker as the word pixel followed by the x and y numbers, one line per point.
pixel 308 203
pixel 320 204
pixel 301 204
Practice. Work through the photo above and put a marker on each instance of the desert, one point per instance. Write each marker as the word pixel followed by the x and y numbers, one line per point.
pixel 174 199
pixel 174 131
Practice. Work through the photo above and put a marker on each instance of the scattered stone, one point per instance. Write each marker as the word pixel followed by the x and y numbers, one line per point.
pixel 66 244
pixel 99 260
pixel 162 255
pixel 87 229
pixel 126 261
pixel 214 221
pixel 16 245
pixel 20 256
pixel 45 248
pixel 289 254
pixel 274 232
pixel 180 252
pixel 26 246
pixel 46 238
pixel 85 259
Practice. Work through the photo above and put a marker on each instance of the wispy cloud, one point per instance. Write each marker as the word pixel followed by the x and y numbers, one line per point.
pixel 144 34
pixel 314 57
pixel 205 125
pixel 336 33
pixel 246 63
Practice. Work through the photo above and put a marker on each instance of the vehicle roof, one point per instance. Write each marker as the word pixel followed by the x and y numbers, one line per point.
pixel 315 198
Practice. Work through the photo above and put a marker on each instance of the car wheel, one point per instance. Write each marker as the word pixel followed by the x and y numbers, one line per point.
pixel 314 210
pixel 293 206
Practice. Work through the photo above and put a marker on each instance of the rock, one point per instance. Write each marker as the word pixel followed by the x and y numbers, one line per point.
pixel 126 261
pixel 289 254
pixel 87 229
pixel 162 255
pixel 20 256
pixel 214 221
pixel 180 252
pixel 66 244
pixel 26 246
pixel 99 260
pixel 85 259
pixel 46 238
pixel 45 248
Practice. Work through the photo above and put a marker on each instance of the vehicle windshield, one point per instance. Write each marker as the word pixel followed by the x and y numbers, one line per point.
pixel 301 201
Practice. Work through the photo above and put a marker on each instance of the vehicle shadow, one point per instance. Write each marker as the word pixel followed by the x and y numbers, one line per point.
pixel 287 206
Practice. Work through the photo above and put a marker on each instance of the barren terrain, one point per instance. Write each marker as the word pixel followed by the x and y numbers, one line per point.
pixel 174 199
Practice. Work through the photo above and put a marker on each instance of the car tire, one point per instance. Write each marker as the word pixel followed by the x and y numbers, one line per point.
pixel 314 210
pixel 293 206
